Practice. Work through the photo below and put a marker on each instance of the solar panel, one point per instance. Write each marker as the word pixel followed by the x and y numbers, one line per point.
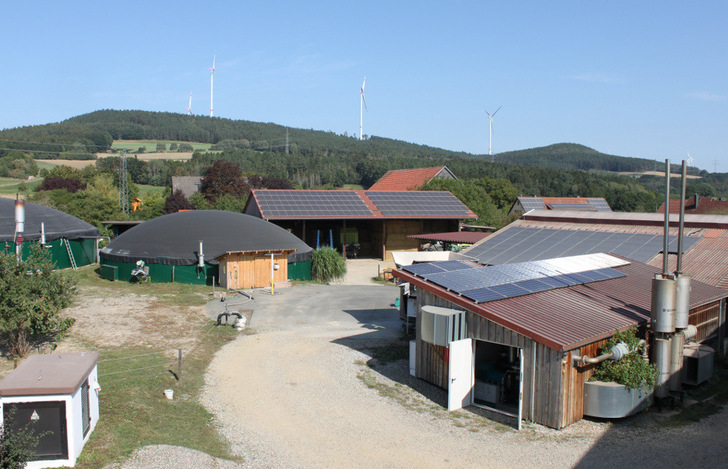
pixel 422 269
pixel 529 203
pixel 573 206
pixel 304 203
pixel 482 295
pixel 419 204
pixel 599 204
pixel 452 265
pixel 519 244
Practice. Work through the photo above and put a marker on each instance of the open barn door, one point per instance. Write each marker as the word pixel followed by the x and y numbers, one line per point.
pixel 460 374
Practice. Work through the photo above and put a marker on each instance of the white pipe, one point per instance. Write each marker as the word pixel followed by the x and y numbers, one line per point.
pixel 618 352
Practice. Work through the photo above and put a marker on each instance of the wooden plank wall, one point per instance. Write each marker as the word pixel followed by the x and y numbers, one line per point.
pixel 552 387
pixel 707 319
pixel 395 238
pixel 252 270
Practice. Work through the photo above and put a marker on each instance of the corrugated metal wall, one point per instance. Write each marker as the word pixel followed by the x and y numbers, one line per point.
pixel 159 273
pixel 84 251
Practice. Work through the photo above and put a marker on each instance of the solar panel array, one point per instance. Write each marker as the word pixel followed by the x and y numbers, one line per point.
pixel 599 204
pixel 519 244
pixel 529 203
pixel 483 284
pixel 573 206
pixel 299 204
pixel 418 204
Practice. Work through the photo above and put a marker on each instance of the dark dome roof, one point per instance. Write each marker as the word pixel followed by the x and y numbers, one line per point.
pixel 175 239
pixel 57 224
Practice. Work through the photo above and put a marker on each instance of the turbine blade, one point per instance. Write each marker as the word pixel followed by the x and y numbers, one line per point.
pixel 363 84
pixel 364 101
pixel 496 111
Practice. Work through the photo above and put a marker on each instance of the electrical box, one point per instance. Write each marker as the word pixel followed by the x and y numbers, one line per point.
pixel 440 326
pixel 697 363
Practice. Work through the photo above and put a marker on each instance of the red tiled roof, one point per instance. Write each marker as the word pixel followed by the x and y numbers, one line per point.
pixel 460 237
pixel 706 205
pixel 406 179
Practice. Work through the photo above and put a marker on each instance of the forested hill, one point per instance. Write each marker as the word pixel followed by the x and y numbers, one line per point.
pixel 567 156
pixel 81 136
pixel 94 132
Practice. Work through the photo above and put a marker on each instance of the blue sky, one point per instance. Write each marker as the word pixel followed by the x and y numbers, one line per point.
pixel 645 79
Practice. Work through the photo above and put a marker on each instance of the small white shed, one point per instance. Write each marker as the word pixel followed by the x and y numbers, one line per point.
pixel 58 395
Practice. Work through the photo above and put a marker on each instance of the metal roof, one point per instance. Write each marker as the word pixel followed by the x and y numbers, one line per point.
pixel 56 224
pixel 460 237
pixel 706 260
pixel 284 204
pixel 570 317
pixel 49 374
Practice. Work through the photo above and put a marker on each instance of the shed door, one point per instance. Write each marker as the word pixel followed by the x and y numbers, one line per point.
pixel 460 374
pixel 43 418
pixel 520 389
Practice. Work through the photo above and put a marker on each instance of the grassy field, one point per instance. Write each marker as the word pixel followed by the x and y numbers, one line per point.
pixel 146 191
pixel 134 410
pixel 12 186
pixel 133 145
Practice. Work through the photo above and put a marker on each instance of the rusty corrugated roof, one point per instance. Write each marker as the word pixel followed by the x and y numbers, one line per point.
pixel 567 318
pixel 705 261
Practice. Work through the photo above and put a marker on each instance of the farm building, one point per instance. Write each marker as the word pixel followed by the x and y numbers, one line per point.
pixel 57 396
pixel 410 179
pixel 236 250
pixel 71 242
pixel 586 204
pixel 363 223
pixel 508 337
pixel 699 206
pixel 543 234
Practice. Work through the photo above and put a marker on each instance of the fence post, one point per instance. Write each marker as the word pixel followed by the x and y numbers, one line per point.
pixel 179 364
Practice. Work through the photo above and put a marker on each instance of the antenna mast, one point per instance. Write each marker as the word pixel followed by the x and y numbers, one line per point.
pixel 123 184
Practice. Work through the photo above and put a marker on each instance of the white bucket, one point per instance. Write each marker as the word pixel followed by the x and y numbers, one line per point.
pixel 169 393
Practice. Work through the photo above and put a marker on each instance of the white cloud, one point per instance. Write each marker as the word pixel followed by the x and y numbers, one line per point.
pixel 703 96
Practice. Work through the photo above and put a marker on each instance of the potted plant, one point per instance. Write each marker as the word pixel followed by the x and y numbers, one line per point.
pixel 623 387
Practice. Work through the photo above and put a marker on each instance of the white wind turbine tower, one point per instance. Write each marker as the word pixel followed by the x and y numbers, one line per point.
pixel 189 106
pixel 690 159
pixel 362 106
pixel 490 118
pixel 212 80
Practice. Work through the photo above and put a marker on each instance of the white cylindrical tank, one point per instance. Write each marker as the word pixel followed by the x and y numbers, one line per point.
pixel 663 304
pixel 682 301
pixel 662 361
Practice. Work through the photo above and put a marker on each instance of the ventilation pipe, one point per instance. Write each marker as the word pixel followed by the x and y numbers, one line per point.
pixel 664 298
pixel 42 234
pixel 617 352
pixel 682 301
pixel 201 258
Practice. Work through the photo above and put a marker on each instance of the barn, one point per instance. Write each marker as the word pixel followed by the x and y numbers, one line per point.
pixel 363 223
pixel 71 242
pixel 209 246
pixel 507 337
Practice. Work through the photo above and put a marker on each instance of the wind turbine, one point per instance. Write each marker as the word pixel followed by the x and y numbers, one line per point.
pixel 362 106
pixel 212 80
pixel 189 106
pixel 690 159
pixel 490 118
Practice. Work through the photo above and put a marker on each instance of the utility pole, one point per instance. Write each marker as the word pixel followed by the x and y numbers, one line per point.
pixel 123 184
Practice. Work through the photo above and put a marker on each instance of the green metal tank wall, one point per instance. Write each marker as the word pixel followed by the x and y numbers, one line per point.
pixel 299 270
pixel 160 273
pixel 83 251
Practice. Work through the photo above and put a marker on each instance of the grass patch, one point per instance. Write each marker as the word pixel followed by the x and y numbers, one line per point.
pixel 147 190
pixel 389 353
pixel 11 185
pixel 135 412
pixel 133 145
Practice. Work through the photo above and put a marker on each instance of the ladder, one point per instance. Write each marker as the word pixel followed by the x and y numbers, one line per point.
pixel 70 254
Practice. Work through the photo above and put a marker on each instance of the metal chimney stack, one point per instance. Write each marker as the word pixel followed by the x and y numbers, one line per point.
pixel 19 226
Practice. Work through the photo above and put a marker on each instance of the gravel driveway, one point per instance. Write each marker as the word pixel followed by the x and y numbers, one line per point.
pixel 303 391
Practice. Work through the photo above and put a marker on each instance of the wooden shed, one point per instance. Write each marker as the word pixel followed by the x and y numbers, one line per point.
pixel 253 269
pixel 509 345
pixel 57 396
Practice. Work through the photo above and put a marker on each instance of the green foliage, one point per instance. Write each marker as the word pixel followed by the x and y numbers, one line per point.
pixel 474 196
pixel 161 147
pixel 31 297
pixel 16 445
pixel 327 265
pixel 17 165
pixel 632 370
